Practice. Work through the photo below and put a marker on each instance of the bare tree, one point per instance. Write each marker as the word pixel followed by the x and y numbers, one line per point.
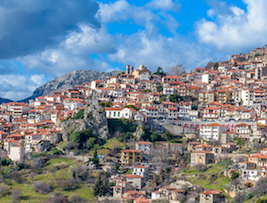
pixel 175 70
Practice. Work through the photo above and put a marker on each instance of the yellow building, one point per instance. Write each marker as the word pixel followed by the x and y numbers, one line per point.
pixel 131 156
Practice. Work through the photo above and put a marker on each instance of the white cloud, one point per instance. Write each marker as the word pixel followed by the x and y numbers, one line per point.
pixel 122 11
pixel 16 87
pixel 38 79
pixel 73 53
pixel 168 5
pixel 239 31
pixel 160 51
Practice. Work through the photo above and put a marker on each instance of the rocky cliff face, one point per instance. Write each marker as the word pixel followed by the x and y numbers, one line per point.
pixel 71 79
pixel 94 119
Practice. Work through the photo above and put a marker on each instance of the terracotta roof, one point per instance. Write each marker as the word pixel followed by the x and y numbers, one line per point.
pixel 141 200
pixel 173 109
pixel 131 150
pixel 145 143
pixel 113 109
pixel 132 192
pixel 140 166
pixel 133 176
pixel 213 191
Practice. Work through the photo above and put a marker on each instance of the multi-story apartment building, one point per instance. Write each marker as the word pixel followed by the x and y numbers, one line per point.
pixel 206 97
pixel 243 130
pixel 130 157
pixel 212 131
pixel 145 146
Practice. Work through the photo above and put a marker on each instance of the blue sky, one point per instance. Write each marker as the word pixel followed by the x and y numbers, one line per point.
pixel 43 39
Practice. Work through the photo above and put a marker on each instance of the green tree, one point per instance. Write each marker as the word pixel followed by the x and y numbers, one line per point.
pixel 99 187
pixel 81 137
pixel 106 104
pixel 159 88
pixel 162 98
pixel 168 135
pixel 174 97
pixel 131 106
pixel 234 175
pixel 155 137
pixel 160 72
pixel 95 159
pixel 79 115
pixel 216 66
pixel 120 73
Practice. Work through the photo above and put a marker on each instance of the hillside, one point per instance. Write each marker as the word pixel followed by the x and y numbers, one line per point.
pixel 4 100
pixel 69 80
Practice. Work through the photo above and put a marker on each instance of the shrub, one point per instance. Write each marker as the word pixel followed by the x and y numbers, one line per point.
pixel 7 173
pixel 16 195
pixel 6 162
pixel 79 115
pixel 56 151
pixel 168 135
pixel 81 172
pixel 60 166
pixel 181 197
pixel 200 167
pixel 3 189
pixel 212 177
pixel 201 176
pixel 41 187
pixel 16 176
pixel 38 163
pixel 76 198
pixel 68 184
pixel 240 197
pixel 58 198
pixel 234 175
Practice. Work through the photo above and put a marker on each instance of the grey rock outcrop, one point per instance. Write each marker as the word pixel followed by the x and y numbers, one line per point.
pixel 94 119
pixel 71 79
pixel 139 131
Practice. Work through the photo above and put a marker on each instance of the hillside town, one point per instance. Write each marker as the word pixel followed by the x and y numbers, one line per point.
pixel 206 125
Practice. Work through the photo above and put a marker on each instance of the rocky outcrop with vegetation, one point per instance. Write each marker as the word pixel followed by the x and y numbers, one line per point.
pixel 91 118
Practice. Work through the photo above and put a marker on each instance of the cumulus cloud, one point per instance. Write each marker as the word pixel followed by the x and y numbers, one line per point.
pixel 168 5
pixel 234 29
pixel 161 51
pixel 38 79
pixel 34 25
pixel 122 11
pixel 73 53
pixel 17 87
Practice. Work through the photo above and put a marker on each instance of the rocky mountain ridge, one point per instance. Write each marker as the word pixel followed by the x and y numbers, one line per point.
pixel 71 79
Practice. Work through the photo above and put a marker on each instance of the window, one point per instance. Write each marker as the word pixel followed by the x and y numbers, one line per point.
pixel 126 114
pixel 114 113
pixel 119 114
pixel 110 114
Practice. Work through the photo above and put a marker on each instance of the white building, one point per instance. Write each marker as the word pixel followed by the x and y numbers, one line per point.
pixel 156 195
pixel 212 131
pixel 245 97
pixel 145 146
pixel 112 112
pixel 17 153
pixel 140 170
pixel 205 78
